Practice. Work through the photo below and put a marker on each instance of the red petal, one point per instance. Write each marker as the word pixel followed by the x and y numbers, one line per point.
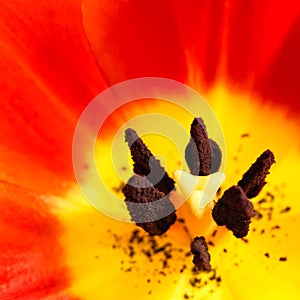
pixel 47 76
pixel 281 82
pixel 134 39
pixel 248 44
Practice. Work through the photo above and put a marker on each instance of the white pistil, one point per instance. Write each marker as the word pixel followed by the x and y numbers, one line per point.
pixel 200 191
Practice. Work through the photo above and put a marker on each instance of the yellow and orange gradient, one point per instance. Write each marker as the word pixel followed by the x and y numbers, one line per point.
pixel 56 56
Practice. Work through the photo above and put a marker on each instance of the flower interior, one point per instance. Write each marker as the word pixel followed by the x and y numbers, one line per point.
pixel 149 264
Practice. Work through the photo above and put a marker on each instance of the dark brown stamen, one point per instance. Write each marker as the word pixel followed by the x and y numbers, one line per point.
pixel 201 256
pixel 192 158
pixel 216 156
pixel 139 190
pixel 146 165
pixel 234 210
pixel 198 150
pixel 254 179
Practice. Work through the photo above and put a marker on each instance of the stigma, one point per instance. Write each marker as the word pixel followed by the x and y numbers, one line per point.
pixel 199 191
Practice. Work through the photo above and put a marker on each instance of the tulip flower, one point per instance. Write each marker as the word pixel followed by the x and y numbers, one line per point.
pixel 56 56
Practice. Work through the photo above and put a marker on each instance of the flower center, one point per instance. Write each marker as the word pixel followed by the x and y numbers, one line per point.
pixel 199 190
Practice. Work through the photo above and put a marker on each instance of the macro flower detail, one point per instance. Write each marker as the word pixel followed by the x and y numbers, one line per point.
pixel 55 57
pixel 233 209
